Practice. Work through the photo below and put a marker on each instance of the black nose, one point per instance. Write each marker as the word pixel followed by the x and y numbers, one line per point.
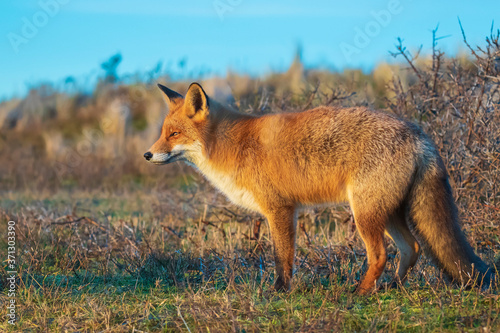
pixel 148 156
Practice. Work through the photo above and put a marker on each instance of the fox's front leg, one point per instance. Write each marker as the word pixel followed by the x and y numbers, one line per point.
pixel 282 225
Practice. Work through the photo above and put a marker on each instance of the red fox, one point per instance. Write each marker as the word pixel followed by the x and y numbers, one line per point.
pixel 387 169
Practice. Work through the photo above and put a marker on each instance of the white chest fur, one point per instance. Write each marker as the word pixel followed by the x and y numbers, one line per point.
pixel 227 185
pixel 224 182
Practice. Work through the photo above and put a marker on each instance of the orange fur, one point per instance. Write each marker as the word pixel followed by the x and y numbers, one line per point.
pixel 386 168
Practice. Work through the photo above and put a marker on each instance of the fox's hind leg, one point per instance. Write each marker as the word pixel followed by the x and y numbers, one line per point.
pixel 371 228
pixel 408 247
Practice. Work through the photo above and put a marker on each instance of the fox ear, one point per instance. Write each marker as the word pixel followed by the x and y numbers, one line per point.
pixel 171 97
pixel 196 103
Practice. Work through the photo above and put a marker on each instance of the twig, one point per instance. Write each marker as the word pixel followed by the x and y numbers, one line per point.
pixel 466 42
pixel 180 315
pixel 308 240
pixel 172 231
pixel 492 207
pixel 216 227
pixel 402 50
pixel 256 229
pixel 311 96
pixel 68 222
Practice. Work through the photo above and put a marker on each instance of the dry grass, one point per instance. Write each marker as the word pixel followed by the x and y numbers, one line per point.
pixel 166 261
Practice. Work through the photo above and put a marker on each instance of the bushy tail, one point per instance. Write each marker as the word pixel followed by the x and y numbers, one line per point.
pixel 435 219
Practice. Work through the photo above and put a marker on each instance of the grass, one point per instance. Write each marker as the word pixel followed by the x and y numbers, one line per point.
pixel 124 305
pixel 92 261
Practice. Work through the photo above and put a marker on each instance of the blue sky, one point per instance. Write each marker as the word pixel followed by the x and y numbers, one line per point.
pixel 73 37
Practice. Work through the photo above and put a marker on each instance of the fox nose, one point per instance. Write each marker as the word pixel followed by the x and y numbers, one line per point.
pixel 148 156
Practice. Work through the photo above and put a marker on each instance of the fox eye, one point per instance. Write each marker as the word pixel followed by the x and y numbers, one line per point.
pixel 174 134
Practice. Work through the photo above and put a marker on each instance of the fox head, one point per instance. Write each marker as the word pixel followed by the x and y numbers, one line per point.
pixel 183 128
